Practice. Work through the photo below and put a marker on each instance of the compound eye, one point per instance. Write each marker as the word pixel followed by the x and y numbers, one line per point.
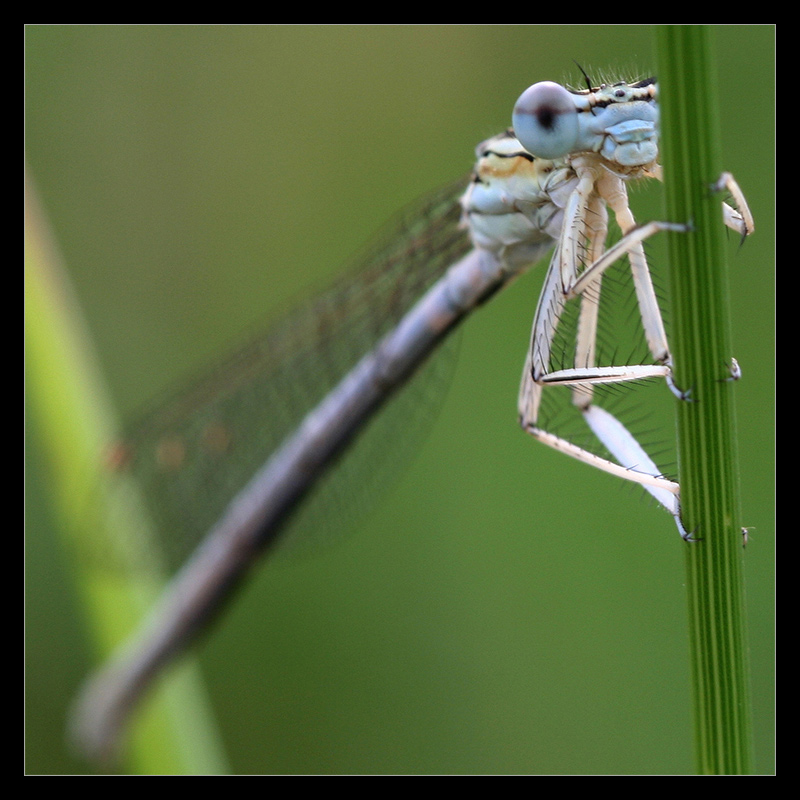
pixel 546 120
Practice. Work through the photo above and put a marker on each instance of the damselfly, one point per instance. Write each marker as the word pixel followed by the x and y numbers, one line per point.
pixel 525 196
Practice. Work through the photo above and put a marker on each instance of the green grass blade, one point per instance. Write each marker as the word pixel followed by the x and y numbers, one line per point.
pixel 701 348
pixel 71 418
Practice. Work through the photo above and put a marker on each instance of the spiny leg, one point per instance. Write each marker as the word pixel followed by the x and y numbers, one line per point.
pixel 739 219
pixel 638 466
pixel 634 463
pixel 586 224
pixel 596 230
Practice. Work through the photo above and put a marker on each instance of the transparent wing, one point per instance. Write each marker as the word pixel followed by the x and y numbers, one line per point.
pixel 192 453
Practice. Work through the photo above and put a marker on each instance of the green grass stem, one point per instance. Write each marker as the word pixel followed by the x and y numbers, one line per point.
pixel 73 424
pixel 701 348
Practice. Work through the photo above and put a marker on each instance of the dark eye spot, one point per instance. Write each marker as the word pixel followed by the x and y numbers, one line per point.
pixel 546 117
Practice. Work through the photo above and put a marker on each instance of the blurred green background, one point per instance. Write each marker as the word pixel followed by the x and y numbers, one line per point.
pixel 504 609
